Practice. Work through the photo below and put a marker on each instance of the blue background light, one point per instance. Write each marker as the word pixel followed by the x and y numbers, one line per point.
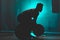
pixel 45 18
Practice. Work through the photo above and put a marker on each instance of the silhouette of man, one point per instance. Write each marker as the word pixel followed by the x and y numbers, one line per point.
pixel 27 21
pixel 27 15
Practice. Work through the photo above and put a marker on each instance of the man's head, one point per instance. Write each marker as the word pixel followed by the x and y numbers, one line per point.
pixel 39 7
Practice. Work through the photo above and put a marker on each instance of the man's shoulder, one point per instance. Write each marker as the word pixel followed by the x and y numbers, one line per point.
pixel 29 10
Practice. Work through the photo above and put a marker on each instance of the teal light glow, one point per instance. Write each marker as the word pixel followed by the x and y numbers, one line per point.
pixel 46 17
pixel 43 16
pixel 32 18
pixel 32 34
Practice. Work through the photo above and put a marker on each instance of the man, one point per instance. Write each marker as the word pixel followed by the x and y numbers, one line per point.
pixel 27 21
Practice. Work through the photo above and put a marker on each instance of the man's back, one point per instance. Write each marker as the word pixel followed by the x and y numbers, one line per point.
pixel 26 16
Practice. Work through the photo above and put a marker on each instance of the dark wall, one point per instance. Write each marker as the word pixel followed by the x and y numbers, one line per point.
pixel 0 16
pixel 56 6
pixel 56 9
pixel 8 14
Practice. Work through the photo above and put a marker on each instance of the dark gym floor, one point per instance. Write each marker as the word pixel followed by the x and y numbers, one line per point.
pixel 11 36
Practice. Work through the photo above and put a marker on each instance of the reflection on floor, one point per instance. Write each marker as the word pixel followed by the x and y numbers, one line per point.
pixel 11 36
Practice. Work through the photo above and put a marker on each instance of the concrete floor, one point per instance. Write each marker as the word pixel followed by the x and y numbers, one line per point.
pixel 7 36
pixel 11 36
